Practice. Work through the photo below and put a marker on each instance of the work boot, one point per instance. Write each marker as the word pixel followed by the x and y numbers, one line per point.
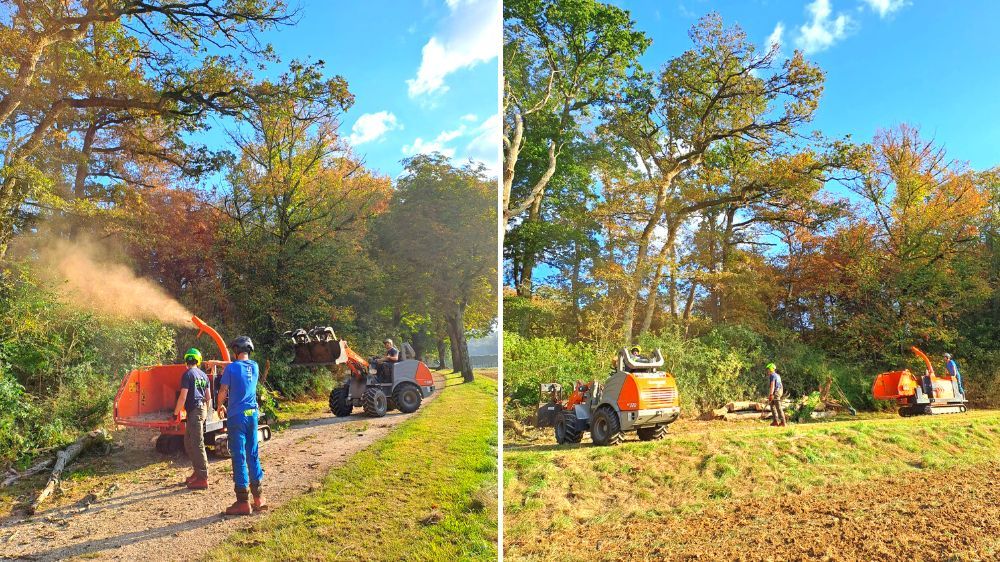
pixel 258 497
pixel 774 424
pixel 242 504
pixel 190 478
pixel 198 483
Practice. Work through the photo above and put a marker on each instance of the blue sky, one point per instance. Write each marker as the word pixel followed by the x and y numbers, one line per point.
pixel 935 65
pixel 424 74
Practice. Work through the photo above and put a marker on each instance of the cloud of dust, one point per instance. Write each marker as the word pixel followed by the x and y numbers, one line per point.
pixel 85 275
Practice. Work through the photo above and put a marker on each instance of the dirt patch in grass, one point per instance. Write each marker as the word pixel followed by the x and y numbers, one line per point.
pixel 875 488
pixel 933 515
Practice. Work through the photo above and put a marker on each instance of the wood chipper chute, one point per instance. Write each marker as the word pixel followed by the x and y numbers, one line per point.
pixel 929 394
pixel 373 386
pixel 147 395
pixel 638 396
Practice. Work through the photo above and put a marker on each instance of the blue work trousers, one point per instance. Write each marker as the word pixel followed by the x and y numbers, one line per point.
pixel 243 445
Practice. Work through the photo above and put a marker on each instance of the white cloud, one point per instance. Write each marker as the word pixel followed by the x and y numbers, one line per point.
pixel 420 146
pixel 471 35
pixel 372 126
pixel 886 7
pixel 479 144
pixel 775 38
pixel 470 117
pixel 823 31
pixel 485 147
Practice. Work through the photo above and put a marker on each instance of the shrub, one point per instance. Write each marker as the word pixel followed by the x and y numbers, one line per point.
pixel 727 363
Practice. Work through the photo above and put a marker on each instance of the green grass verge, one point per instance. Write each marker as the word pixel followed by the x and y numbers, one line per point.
pixel 426 492
pixel 551 489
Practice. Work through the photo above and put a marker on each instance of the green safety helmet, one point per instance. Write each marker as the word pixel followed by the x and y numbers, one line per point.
pixel 193 354
pixel 772 367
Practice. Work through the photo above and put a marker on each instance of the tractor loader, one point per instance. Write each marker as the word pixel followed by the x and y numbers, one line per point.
pixel 375 388
pixel 636 397
pixel 929 394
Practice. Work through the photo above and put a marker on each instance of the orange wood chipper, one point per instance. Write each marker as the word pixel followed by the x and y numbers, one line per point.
pixel 929 394
pixel 147 396
pixel 638 396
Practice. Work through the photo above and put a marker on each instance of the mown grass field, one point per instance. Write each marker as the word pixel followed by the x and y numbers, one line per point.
pixel 565 491
pixel 426 492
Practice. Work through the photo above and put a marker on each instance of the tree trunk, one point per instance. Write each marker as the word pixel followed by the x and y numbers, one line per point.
pixel 639 275
pixel 689 305
pixel 63 458
pixel 529 259
pixel 453 340
pixel 654 285
pixel 463 364
pixel 575 291
pixel 441 353
pixel 419 347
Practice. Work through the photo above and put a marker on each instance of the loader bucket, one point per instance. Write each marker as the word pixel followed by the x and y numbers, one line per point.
pixel 894 385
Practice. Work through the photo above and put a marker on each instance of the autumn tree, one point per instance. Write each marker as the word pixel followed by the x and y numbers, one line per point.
pixel 77 72
pixel 439 230
pixel 915 260
pixel 562 61
pixel 298 207
pixel 722 88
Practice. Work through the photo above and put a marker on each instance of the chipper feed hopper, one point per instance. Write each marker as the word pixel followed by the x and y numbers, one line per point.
pixel 147 396
pixel 929 394
pixel 375 388
pixel 638 396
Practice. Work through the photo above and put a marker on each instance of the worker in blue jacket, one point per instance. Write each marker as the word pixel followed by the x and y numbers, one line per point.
pixel 239 386
pixel 952 368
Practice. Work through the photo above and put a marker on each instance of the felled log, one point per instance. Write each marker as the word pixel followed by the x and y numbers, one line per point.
pixel 63 458
pixel 15 476
pixel 743 415
pixel 741 405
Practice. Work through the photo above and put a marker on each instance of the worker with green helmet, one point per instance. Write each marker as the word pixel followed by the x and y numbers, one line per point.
pixel 194 398
pixel 774 393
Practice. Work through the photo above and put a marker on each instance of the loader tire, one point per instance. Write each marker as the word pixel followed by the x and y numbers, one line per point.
pixel 374 402
pixel 339 404
pixel 407 398
pixel 568 429
pixel 606 428
pixel 651 433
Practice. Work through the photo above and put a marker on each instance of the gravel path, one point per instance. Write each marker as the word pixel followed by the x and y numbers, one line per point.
pixel 132 504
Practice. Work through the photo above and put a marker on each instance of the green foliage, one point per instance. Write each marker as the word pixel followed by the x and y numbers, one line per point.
pixel 529 362
pixel 532 318
pixel 807 406
pixel 61 367
pixel 723 365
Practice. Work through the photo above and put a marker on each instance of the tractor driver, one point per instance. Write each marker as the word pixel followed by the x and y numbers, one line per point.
pixel 383 364
pixel 391 353
pixel 636 353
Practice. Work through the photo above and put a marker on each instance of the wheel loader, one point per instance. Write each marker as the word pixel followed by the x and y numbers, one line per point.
pixel 929 394
pixel 638 396
pixel 376 388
